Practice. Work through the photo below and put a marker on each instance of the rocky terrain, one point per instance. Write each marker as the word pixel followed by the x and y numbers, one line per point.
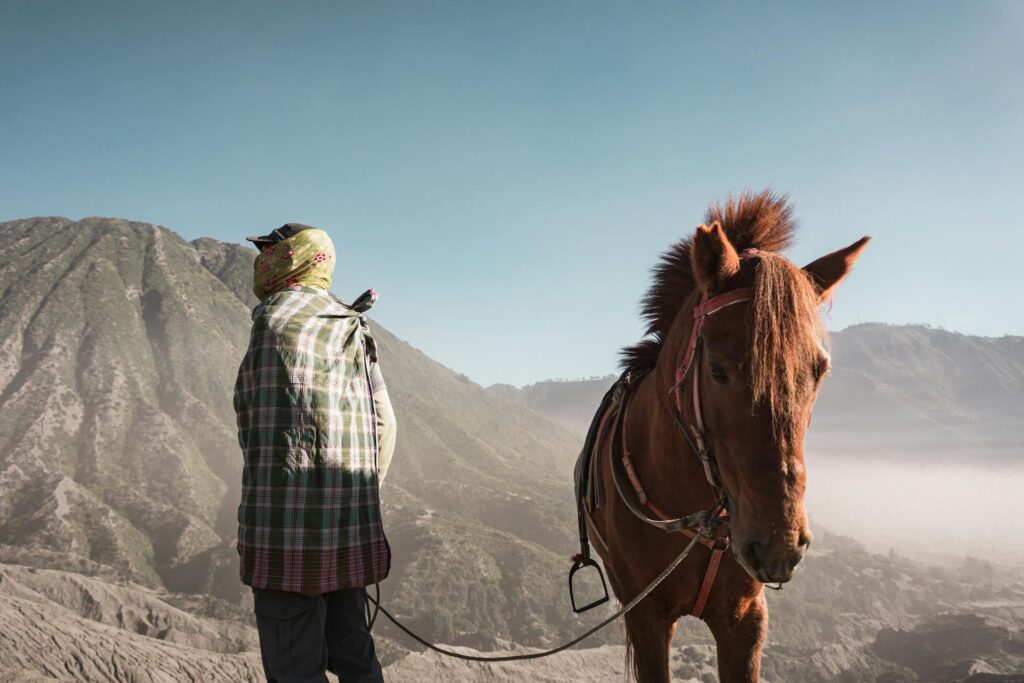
pixel 119 475
pixel 850 616
pixel 63 626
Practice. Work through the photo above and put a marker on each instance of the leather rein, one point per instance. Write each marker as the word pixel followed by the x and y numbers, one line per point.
pixel 700 525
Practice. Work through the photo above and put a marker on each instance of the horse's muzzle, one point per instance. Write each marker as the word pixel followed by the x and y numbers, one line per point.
pixel 770 563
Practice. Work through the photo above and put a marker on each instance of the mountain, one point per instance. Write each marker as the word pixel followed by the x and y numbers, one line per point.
pixel 570 403
pixel 909 389
pixel 922 391
pixel 119 343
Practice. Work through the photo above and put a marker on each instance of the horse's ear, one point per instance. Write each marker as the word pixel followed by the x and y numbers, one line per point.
pixel 714 258
pixel 830 269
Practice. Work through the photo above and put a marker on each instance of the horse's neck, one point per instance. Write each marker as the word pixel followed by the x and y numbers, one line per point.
pixel 666 466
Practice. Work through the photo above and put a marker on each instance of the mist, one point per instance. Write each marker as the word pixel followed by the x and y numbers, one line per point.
pixel 932 511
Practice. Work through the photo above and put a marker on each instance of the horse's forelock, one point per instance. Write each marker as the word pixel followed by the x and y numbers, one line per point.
pixel 762 220
pixel 787 335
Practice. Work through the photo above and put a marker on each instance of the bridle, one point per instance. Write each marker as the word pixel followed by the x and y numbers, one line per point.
pixel 701 444
pixel 703 524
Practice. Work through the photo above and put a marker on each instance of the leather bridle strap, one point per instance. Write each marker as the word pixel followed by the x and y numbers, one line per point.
pixel 693 525
pixel 700 445
pixel 701 311
pixel 707 307
pixel 709 580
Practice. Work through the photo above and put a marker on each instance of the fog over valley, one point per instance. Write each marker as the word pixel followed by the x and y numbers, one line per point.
pixel 937 511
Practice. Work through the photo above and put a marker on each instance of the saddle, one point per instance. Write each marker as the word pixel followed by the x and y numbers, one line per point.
pixel 590 494
pixel 588 488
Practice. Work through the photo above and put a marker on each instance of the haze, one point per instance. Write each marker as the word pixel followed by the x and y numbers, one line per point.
pixel 937 512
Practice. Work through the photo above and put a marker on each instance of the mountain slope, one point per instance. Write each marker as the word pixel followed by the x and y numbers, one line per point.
pixel 115 427
pixel 119 343
pixel 922 391
pixel 570 403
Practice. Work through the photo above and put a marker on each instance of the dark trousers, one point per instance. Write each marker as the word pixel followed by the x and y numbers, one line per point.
pixel 302 637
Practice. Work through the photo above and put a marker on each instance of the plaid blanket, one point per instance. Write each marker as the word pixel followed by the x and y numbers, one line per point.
pixel 309 519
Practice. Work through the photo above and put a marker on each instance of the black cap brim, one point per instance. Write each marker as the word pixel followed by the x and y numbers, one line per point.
pixel 261 241
pixel 278 235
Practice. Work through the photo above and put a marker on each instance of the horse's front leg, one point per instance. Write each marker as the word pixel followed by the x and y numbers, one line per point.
pixel 649 632
pixel 739 636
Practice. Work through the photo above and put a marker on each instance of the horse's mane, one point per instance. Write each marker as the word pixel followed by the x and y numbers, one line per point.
pixel 787 334
pixel 760 221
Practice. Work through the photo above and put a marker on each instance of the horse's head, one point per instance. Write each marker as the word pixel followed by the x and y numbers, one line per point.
pixel 761 365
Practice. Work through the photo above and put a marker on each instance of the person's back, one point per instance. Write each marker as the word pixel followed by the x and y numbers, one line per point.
pixel 313 422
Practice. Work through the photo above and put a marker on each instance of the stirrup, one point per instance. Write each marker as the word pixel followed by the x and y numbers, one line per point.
pixel 580 562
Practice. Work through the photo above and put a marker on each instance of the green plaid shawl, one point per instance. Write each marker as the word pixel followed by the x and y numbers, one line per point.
pixel 309 519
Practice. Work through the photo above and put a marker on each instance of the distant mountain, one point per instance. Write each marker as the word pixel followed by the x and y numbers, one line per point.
pixel 906 389
pixel 570 403
pixel 918 390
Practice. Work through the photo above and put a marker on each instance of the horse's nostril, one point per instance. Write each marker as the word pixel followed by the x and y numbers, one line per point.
pixel 753 552
pixel 805 539
pixel 794 558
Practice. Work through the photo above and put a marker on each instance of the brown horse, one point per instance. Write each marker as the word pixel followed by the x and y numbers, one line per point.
pixel 755 363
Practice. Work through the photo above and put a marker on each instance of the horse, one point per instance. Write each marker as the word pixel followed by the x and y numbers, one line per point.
pixel 732 359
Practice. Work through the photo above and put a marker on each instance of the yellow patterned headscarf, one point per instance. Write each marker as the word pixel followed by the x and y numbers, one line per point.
pixel 306 258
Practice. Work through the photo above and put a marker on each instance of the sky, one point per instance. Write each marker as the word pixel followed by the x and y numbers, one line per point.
pixel 506 174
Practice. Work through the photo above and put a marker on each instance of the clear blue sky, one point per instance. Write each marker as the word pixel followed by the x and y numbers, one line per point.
pixel 506 173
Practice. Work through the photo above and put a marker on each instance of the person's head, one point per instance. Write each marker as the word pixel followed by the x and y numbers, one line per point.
pixel 294 254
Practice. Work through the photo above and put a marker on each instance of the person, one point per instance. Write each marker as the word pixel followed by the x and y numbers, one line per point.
pixel 317 433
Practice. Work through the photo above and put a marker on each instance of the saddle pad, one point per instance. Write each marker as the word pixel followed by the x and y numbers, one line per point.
pixel 588 489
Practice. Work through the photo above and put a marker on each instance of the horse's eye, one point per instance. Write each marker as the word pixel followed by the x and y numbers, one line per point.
pixel 717 373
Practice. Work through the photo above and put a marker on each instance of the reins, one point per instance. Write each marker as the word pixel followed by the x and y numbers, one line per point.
pixel 699 444
pixel 700 526
pixel 697 439
pixel 544 653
